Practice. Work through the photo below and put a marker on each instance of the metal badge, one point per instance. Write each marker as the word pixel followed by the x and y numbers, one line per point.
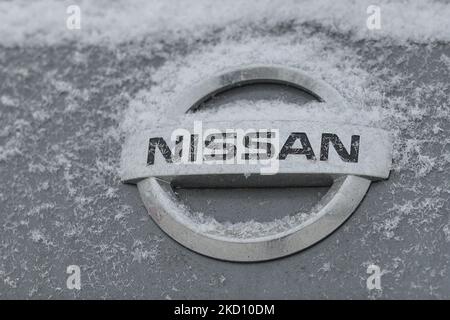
pixel 255 154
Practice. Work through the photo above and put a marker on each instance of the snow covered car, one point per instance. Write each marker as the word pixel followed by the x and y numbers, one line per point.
pixel 78 80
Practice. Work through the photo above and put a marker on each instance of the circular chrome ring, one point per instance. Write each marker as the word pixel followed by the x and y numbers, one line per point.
pixel 335 207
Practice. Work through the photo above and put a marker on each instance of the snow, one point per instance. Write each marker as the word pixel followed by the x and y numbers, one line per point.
pixel 243 230
pixel 43 21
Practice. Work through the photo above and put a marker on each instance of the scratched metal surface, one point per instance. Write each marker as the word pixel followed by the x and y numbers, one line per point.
pixel 61 201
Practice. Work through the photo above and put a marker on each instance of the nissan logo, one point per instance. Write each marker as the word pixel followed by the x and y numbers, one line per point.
pixel 255 153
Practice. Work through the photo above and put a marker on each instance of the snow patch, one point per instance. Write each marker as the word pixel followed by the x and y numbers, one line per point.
pixel 43 22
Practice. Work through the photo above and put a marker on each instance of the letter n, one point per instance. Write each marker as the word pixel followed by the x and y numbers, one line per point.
pixel 339 147
pixel 163 148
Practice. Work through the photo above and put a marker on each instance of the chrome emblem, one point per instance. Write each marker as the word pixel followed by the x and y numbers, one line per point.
pixel 255 153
